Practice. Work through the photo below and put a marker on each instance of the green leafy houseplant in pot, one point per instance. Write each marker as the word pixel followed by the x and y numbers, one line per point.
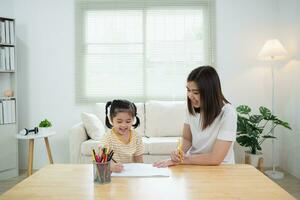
pixel 44 126
pixel 254 129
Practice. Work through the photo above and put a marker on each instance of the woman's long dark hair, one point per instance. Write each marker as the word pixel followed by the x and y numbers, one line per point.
pixel 212 99
pixel 117 106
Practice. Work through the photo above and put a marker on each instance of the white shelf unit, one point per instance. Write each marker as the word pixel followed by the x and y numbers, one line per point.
pixel 9 109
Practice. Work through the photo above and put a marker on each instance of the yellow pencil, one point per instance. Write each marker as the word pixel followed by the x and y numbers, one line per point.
pixel 94 155
pixel 179 148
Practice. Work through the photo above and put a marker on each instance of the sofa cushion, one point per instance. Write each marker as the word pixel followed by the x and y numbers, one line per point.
pixel 94 127
pixel 160 145
pixel 88 145
pixel 164 118
pixel 100 112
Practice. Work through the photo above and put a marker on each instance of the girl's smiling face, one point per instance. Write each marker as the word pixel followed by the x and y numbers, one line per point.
pixel 122 123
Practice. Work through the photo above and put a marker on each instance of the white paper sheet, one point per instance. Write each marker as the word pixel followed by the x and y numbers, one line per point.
pixel 142 170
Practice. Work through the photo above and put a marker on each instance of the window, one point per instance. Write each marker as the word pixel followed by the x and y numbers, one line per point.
pixel 141 50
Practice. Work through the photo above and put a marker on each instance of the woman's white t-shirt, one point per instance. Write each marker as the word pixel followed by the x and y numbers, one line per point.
pixel 223 128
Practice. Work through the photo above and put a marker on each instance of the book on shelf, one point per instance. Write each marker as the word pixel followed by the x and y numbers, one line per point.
pixel 2 59
pixel 7 37
pixel 1 113
pixel 8 111
pixel 12 58
pixel 7 60
pixel 12 32
pixel 7 31
pixel 13 111
pixel 2 32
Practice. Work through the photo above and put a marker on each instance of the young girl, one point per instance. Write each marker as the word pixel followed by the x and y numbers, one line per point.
pixel 209 130
pixel 122 139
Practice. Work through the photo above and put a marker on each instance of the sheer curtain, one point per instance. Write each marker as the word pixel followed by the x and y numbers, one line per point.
pixel 141 50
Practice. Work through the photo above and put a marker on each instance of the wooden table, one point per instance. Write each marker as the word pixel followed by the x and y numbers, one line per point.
pixel 31 138
pixel 63 181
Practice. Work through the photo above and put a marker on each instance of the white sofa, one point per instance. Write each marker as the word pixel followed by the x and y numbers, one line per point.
pixel 161 125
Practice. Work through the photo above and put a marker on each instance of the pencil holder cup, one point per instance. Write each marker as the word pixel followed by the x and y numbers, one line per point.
pixel 101 172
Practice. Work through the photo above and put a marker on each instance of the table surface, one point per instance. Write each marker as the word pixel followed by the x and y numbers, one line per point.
pixel 66 181
pixel 35 136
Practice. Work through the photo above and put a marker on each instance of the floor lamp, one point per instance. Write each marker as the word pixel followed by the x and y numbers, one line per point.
pixel 273 51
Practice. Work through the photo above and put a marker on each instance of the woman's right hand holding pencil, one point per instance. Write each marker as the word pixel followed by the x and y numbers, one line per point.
pixel 177 157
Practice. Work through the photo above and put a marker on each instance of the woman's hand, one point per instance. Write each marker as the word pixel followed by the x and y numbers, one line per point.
pixel 177 156
pixel 164 163
pixel 116 167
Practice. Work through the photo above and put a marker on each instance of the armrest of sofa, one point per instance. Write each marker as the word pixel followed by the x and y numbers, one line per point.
pixel 76 137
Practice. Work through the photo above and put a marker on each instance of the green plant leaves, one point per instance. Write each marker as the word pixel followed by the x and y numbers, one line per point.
pixel 256 118
pixel 282 123
pixel 245 126
pixel 45 123
pixel 248 141
pixel 243 109
pixel 251 128
pixel 266 113
pixel 242 124
pixel 245 140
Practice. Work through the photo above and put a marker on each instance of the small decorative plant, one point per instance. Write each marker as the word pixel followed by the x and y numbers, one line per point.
pixel 45 124
pixel 253 129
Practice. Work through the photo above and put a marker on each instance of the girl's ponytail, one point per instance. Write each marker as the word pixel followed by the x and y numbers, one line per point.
pixel 137 123
pixel 107 122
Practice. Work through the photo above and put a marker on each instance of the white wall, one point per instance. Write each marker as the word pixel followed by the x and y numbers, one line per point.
pixel 45 31
pixel 288 82
pixel 242 28
pixel 7 8
pixel 45 37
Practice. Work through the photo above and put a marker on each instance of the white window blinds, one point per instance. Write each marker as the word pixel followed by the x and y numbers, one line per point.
pixel 141 50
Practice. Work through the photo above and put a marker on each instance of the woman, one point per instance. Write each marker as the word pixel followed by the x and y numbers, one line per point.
pixel 210 126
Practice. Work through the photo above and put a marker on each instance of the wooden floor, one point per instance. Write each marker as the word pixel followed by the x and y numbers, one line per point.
pixel 9 183
pixel 290 183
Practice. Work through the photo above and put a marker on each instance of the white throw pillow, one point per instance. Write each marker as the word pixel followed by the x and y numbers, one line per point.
pixel 93 125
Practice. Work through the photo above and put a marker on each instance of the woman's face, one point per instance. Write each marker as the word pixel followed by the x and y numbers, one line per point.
pixel 193 94
pixel 122 123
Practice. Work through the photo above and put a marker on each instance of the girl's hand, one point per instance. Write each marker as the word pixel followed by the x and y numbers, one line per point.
pixel 164 163
pixel 116 167
pixel 177 156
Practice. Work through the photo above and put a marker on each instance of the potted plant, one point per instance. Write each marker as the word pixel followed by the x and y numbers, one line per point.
pixel 44 125
pixel 254 129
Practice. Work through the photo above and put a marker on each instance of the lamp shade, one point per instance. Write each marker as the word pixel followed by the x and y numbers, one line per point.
pixel 272 50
